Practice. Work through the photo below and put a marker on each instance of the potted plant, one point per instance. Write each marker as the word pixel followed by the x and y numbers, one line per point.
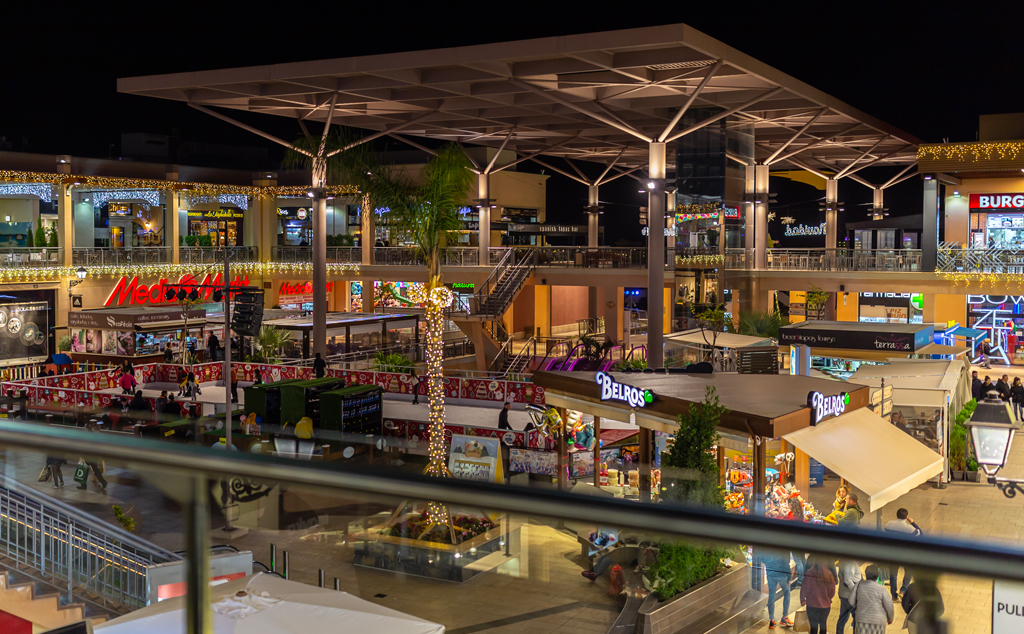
pixel 972 470
pixel 957 451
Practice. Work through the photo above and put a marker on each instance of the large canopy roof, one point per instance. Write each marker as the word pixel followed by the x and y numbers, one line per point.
pixel 596 96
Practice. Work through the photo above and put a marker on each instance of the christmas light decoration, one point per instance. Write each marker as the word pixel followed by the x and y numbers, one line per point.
pixel 56 273
pixel 238 200
pixel 43 190
pixel 973 152
pixel 150 196
pixel 435 299
pixel 703 260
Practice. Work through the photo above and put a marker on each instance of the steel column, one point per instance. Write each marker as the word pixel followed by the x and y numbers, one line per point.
pixel 483 183
pixel 319 273
pixel 592 219
pixel 930 228
pixel 197 570
pixel 831 213
pixel 656 256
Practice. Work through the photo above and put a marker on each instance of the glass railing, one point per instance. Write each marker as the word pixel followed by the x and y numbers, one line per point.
pixel 110 256
pixel 468 552
pixel 19 257
pixel 905 260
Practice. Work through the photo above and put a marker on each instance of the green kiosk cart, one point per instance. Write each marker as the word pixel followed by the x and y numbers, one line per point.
pixel 302 398
pixel 353 410
pixel 264 400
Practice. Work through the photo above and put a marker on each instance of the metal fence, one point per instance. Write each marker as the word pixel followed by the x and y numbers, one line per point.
pixel 952 257
pixel 57 544
pixel 110 256
pixel 17 257
pixel 827 259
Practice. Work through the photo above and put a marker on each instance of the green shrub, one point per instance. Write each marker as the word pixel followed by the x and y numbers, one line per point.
pixel 957 447
pixel 191 240
pixel 64 344
pixel 204 241
pixel 680 566
pixel 128 523
pixel 53 237
pixel 40 240
pixel 691 457
pixel 633 363
pixel 392 362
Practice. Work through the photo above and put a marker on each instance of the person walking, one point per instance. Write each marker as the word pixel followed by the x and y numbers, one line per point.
pixel 905 525
pixel 873 605
pixel 503 416
pixel 975 386
pixel 97 471
pixel 776 564
pixel 911 604
pixel 127 382
pixel 212 344
pixel 849 577
pixel 986 387
pixel 1017 398
pixel 415 386
pixel 168 353
pixel 1003 385
pixel 853 513
pixel 816 593
pixel 319 366
pixel 986 351
pixel 54 463
pixel 796 513
pixel 234 383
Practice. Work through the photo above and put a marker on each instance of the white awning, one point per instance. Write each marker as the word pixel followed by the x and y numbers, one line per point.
pixel 724 340
pixel 938 348
pixel 875 456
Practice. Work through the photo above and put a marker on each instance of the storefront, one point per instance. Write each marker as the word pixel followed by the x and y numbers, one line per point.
pixel 352 332
pixel 1002 318
pixel 294 226
pixel 223 226
pixel 997 221
pixel 137 333
pixel 840 348
pixel 890 308
pixel 298 295
pixel 25 320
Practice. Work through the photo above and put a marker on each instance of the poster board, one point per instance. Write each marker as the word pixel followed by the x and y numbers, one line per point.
pixel 533 461
pixel 476 458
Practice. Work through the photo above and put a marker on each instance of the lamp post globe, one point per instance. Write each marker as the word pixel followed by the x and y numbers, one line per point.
pixel 81 272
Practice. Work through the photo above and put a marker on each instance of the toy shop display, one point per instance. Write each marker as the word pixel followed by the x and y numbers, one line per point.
pixel 476 458
pixel 602 539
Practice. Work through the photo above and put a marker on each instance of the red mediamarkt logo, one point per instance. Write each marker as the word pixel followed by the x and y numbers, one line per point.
pixel 301 289
pixel 131 292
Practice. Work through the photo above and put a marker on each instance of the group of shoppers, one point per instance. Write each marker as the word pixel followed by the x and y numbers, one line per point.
pixel 863 597
pixel 1009 392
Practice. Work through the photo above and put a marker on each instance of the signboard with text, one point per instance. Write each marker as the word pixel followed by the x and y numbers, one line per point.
pixel 997 201
pixel 1007 607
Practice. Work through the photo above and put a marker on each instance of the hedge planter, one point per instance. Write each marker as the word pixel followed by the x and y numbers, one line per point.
pixel 723 604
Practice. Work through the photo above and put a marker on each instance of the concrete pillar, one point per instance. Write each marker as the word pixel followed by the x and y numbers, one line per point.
pixel 592 217
pixel 367 295
pixel 65 223
pixel 878 200
pixel 831 213
pixel 756 184
pixel 542 310
pixel 613 307
pixel 656 257
pixel 367 230
pixel 172 225
pixel 319 333
pixel 930 228
pixel 646 440
pixel 483 183
pixel 597 450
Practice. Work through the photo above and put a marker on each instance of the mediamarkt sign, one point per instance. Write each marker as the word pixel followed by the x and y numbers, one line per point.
pixel 300 288
pixel 612 390
pixel 997 201
pixel 824 406
pixel 131 293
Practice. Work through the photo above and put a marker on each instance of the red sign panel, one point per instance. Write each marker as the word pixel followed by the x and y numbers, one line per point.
pixel 130 292
pixel 997 201
pixel 301 289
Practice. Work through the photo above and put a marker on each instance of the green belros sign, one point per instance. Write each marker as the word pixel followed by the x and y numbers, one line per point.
pixel 824 406
pixel 612 390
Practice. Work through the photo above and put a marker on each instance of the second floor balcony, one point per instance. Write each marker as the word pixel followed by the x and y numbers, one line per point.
pixel 110 256
pixel 895 260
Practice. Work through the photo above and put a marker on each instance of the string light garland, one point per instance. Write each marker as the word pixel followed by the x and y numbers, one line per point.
pixel 973 152
pixel 199 189
pixel 151 196
pixel 435 298
pixel 981 279
pixel 697 211
pixel 238 200
pixel 43 190
pixel 168 271
pixel 704 260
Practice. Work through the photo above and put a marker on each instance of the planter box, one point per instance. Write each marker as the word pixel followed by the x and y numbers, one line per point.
pixel 958 476
pixel 723 604
pixel 973 476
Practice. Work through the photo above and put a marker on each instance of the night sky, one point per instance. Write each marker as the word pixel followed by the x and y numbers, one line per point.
pixel 927 68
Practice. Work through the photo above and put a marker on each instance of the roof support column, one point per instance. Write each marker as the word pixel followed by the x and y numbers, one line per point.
pixel 592 212
pixel 66 223
pixel 320 272
pixel 877 203
pixel 656 256
pixel 367 231
pixel 831 213
pixel 930 226
pixel 757 214
pixel 483 188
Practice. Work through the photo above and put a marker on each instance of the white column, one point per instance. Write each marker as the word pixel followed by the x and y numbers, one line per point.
pixel 367 229
pixel 65 222
pixel 831 213
pixel 483 183
pixel 319 334
pixel 930 226
pixel 756 220
pixel 592 219
pixel 171 224
pixel 656 257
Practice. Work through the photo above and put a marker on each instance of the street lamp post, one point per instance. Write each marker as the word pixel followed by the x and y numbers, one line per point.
pixel 992 448
pixel 81 273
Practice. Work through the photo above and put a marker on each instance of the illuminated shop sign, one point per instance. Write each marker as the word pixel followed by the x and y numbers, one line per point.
pixel 995 300
pixel 218 214
pixel 997 201
pixel 805 230
pixel 131 293
pixel 731 212
pixel 669 231
pixel 288 288
pixel 293 212
pixel 824 406
pixel 463 285
pixel 612 390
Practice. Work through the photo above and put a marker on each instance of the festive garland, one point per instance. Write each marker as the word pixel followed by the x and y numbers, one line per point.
pixel 993 279
pixel 697 211
pixel 168 271
pixel 712 260
pixel 974 152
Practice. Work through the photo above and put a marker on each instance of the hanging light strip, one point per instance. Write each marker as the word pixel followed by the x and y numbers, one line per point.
pixel 43 190
pixel 150 196
pixel 238 200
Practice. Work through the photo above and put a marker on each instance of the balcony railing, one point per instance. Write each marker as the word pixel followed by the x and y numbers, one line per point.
pixel 385 256
pixel 827 259
pixel 111 256
pixel 18 257
pixel 953 258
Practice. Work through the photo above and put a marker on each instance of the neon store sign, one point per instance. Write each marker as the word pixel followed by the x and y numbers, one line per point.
pixel 824 406
pixel 612 390
pixel 805 230
pixel 306 288
pixel 131 293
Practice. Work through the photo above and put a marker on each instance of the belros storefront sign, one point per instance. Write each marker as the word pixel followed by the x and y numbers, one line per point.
pixel 612 390
pixel 823 407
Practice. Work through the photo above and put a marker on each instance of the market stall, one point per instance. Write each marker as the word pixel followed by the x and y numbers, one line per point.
pixel 692 346
pixel 927 395
pixel 136 333
pixel 840 348
pixel 352 332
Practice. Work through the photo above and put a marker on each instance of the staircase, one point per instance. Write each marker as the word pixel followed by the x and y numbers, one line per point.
pixel 507 363
pixel 44 611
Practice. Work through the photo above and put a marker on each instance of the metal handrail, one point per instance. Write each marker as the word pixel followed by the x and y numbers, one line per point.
pixel 503 353
pixel 833 260
pixel 929 552
pixel 495 275
pixel 516 365
pixel 18 257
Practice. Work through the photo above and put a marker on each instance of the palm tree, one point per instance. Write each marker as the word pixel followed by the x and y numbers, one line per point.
pixel 761 324
pixel 269 341
pixel 428 212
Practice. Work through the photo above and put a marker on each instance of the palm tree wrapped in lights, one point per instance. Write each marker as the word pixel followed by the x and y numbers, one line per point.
pixel 428 213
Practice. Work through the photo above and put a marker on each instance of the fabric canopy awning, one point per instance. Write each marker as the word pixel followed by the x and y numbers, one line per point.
pixel 875 456
pixel 969 333
pixel 724 340
pixel 938 348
